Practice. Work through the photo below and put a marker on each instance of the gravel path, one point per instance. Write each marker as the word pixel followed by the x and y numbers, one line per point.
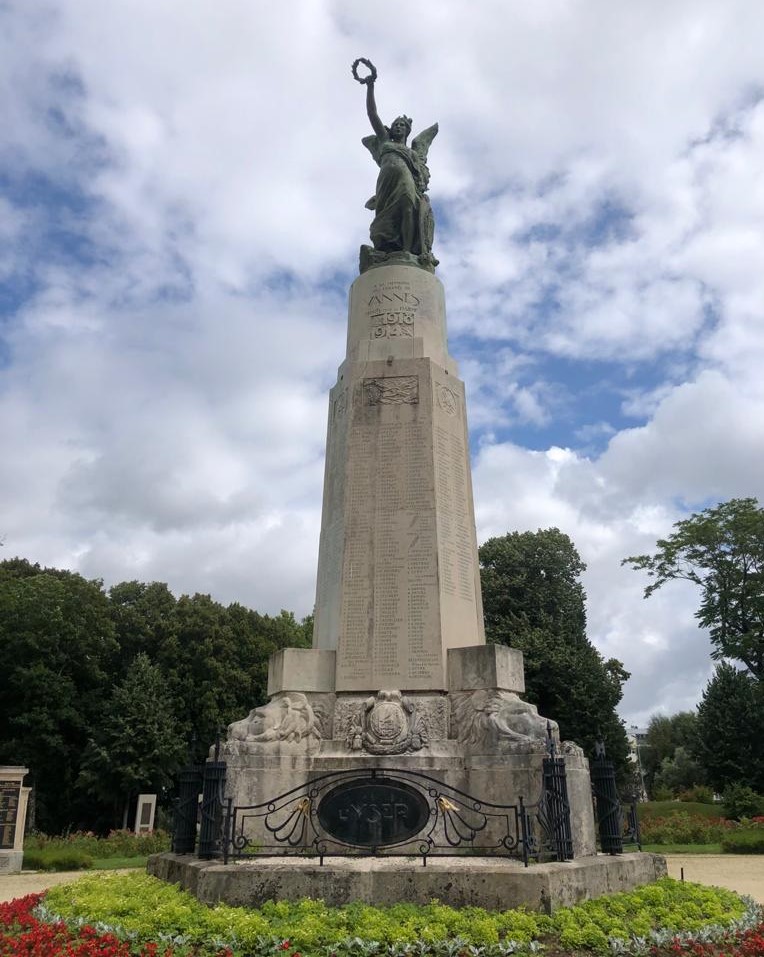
pixel 743 873
pixel 19 885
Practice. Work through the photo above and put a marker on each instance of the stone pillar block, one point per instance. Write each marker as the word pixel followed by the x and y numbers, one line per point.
pixel 301 669
pixel 13 814
pixel 484 667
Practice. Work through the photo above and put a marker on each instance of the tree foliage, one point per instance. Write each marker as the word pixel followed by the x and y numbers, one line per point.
pixel 82 668
pixel 731 729
pixel 136 747
pixel 665 734
pixel 58 641
pixel 531 580
pixel 720 549
pixel 679 772
pixel 533 600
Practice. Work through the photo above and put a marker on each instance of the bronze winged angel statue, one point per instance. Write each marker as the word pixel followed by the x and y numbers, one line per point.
pixel 403 224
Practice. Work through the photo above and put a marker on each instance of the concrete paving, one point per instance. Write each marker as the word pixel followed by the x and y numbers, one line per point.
pixel 32 882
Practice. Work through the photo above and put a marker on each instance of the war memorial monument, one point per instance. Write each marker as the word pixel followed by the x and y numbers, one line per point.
pixel 396 758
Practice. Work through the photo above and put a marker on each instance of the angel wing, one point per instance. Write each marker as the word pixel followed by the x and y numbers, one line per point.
pixel 422 142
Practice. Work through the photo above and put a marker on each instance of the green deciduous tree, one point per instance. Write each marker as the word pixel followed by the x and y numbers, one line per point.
pixel 137 746
pixel 666 733
pixel 214 658
pixel 531 580
pixel 58 640
pixel 216 663
pixel 533 600
pixel 731 729
pixel 144 619
pixel 73 660
pixel 679 772
pixel 720 549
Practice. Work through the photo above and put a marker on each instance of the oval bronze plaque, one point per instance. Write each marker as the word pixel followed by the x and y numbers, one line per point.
pixel 373 812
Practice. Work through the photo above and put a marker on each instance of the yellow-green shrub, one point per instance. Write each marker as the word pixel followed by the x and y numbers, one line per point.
pixel 152 910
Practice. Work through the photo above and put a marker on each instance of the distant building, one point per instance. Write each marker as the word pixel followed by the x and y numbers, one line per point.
pixel 637 738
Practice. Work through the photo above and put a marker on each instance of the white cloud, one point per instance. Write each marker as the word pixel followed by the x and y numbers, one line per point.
pixel 182 207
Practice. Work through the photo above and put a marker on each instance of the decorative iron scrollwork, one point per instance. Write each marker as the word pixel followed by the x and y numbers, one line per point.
pixel 307 820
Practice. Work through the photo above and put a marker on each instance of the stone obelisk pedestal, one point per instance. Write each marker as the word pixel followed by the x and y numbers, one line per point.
pixel 398 578
pixel 400 695
pixel 399 674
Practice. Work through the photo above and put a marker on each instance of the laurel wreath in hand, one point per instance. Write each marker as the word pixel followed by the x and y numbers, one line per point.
pixel 370 77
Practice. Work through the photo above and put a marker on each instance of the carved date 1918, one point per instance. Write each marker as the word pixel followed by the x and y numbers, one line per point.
pixel 393 315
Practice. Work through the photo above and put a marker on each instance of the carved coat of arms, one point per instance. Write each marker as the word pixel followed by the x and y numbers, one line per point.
pixel 388 724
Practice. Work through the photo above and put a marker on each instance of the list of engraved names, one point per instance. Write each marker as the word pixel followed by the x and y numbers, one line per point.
pixel 390 611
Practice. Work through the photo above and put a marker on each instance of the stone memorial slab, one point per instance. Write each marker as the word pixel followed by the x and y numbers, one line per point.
pixel 144 813
pixel 13 811
pixel 301 669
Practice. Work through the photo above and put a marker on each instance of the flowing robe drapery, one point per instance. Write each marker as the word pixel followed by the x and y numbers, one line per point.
pixel 397 197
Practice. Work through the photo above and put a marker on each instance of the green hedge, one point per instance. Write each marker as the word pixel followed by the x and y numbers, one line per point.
pixel 744 841
pixel 55 859
pixel 115 844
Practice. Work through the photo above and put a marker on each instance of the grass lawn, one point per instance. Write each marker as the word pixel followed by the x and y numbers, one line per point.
pixel 99 864
pixel 113 863
pixel 652 809
pixel 683 848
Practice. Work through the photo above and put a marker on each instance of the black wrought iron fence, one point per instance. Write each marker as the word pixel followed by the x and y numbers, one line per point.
pixel 617 820
pixel 554 806
pixel 187 809
pixel 397 811
pixel 211 831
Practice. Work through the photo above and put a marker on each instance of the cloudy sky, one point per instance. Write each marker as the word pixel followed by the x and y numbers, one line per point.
pixel 181 206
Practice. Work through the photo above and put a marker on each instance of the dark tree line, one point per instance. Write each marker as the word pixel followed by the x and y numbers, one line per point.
pixel 107 693
pixel 104 694
pixel 715 747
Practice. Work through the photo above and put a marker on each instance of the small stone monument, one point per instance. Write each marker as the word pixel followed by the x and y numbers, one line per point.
pixel 13 814
pixel 144 813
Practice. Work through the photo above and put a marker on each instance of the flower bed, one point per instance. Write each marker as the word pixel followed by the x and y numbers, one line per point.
pixel 735 837
pixel 138 916
pixel 682 828
pixel 115 844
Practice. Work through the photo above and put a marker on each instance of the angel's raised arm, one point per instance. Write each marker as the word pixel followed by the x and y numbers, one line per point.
pixel 371 104
pixel 371 108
